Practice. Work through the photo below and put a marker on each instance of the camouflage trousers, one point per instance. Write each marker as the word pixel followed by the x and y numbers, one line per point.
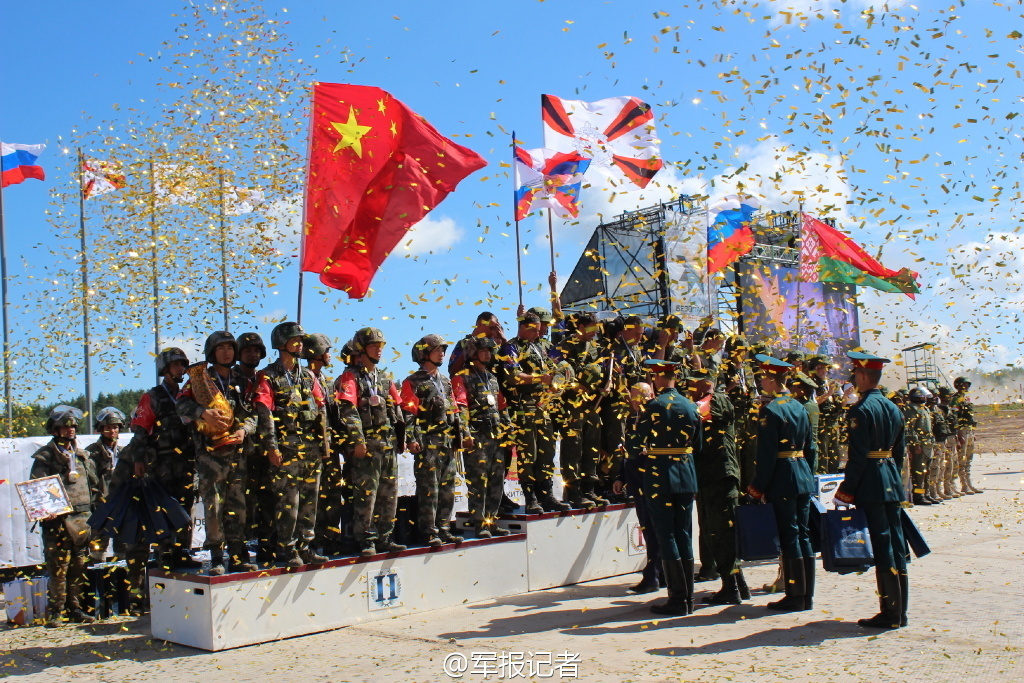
pixel 65 566
pixel 374 493
pixel 534 437
pixel 581 446
pixel 435 484
pixel 329 501
pixel 919 469
pixel 296 487
pixel 830 452
pixel 485 477
pixel 222 480
pixel 260 500
pixel 964 455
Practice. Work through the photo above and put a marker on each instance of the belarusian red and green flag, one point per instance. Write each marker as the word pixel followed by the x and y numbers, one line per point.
pixel 828 255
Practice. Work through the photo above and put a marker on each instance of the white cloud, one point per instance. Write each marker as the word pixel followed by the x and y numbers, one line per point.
pixel 800 12
pixel 430 236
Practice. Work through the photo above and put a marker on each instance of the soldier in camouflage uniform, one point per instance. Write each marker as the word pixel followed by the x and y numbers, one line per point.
pixel 962 411
pixel 943 445
pixel 66 538
pixel 830 405
pixel 316 350
pixel 920 443
pixel 288 401
pixel 259 489
pixel 625 345
pixel 104 451
pixel 433 427
pixel 368 403
pixel 483 413
pixel 162 447
pixel 221 463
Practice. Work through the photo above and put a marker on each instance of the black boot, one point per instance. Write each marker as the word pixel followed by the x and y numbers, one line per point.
pixel 793 574
pixel 388 545
pixel 677 604
pixel 574 497
pixel 547 501
pixel 238 559
pixel 741 584
pixel 890 602
pixel 180 559
pixel 904 596
pixel 532 506
pixel 217 567
pixel 507 504
pixel 588 487
pixel 729 594
pixel 809 567
pixel 688 578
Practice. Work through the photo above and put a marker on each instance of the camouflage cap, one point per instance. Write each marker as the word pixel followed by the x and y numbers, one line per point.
pixel 542 313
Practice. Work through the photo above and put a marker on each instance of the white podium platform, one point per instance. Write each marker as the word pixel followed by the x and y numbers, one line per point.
pixel 570 547
pixel 221 612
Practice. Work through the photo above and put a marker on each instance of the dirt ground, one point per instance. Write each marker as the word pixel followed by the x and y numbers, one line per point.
pixel 999 431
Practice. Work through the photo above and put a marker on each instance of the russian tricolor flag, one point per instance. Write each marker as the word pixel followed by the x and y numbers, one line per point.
pixel 729 233
pixel 19 163
pixel 545 178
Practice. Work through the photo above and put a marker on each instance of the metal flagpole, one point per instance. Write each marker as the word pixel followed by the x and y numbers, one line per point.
pixel 223 252
pixel 85 292
pixel 799 280
pixel 7 341
pixel 305 195
pixel 156 280
pixel 515 214
pixel 551 245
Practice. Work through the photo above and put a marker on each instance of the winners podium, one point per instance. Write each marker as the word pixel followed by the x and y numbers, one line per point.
pixel 554 549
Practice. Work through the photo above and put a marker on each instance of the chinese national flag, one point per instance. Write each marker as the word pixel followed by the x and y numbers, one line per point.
pixel 375 169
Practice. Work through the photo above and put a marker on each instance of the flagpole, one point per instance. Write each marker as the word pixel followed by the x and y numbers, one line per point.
pixel 551 245
pixel 7 347
pixel 515 213
pixel 800 214
pixel 85 291
pixel 305 194
pixel 223 252
pixel 156 280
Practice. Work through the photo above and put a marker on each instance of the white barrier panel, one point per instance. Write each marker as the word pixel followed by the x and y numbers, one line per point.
pixel 220 612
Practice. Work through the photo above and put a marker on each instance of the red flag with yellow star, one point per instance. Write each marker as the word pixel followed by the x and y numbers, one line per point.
pixel 375 169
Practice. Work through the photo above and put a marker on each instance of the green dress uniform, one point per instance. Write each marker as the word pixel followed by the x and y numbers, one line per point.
pixel 670 431
pixel 877 448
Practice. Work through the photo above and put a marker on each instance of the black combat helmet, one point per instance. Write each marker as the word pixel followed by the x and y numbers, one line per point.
pixel 63 416
pixel 280 335
pixel 168 356
pixel 215 340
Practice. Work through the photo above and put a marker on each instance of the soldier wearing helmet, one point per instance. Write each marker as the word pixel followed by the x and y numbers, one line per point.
pixel 433 427
pixel 316 350
pixel 940 472
pixel 487 325
pixel 162 448
pixel 962 413
pixel 220 461
pixel 919 442
pixel 66 538
pixel 483 412
pixel 368 403
pixel 259 491
pixel 289 403
pixel 104 451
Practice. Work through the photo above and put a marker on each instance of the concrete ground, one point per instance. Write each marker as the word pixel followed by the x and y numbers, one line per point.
pixel 966 623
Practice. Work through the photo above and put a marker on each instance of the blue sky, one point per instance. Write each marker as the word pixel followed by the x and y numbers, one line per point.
pixel 900 121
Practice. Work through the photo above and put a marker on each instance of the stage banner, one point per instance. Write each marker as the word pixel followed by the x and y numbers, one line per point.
pixel 789 315
pixel 686 251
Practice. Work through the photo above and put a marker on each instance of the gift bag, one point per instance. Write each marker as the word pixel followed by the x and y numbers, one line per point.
pixel 845 543
pixel 815 522
pixel 756 532
pixel 913 535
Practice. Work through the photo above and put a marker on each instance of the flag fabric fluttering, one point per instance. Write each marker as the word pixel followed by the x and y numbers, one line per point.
pixel 242 200
pixel 375 169
pixel 617 134
pixel 548 179
pixel 100 177
pixel 729 232
pixel 177 183
pixel 18 163
pixel 828 255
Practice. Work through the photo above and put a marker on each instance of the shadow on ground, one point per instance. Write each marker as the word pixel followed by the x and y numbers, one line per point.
pixel 801 635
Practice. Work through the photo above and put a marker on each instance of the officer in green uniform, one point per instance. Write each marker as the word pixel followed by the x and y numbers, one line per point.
pixel 802 389
pixel 873 483
pixel 66 537
pixel 220 463
pixel 671 433
pixel 718 476
pixel 829 396
pixel 368 403
pixel 288 401
pixel 785 452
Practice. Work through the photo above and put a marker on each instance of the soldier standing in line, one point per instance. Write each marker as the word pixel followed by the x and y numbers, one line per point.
pixel 940 458
pixel 785 453
pixel 802 388
pixel 218 440
pixel 919 443
pixel 718 479
pixel 829 396
pixel 433 427
pixel 964 423
pixel 877 447
pixel 104 451
pixel 316 351
pixel 162 448
pixel 952 469
pixel 288 401
pixel 525 372
pixel 259 491
pixel 66 538
pixel 630 481
pixel 671 433
pixel 483 413
pixel 368 404
pixel 626 352
pixel 581 437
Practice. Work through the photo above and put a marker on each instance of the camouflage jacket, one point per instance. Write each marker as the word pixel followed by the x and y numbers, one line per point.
pixel 234 391
pixel 159 437
pixel 482 405
pixel 83 487
pixel 961 412
pixel 368 406
pixel 919 425
pixel 293 400
pixel 103 458
pixel 430 407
